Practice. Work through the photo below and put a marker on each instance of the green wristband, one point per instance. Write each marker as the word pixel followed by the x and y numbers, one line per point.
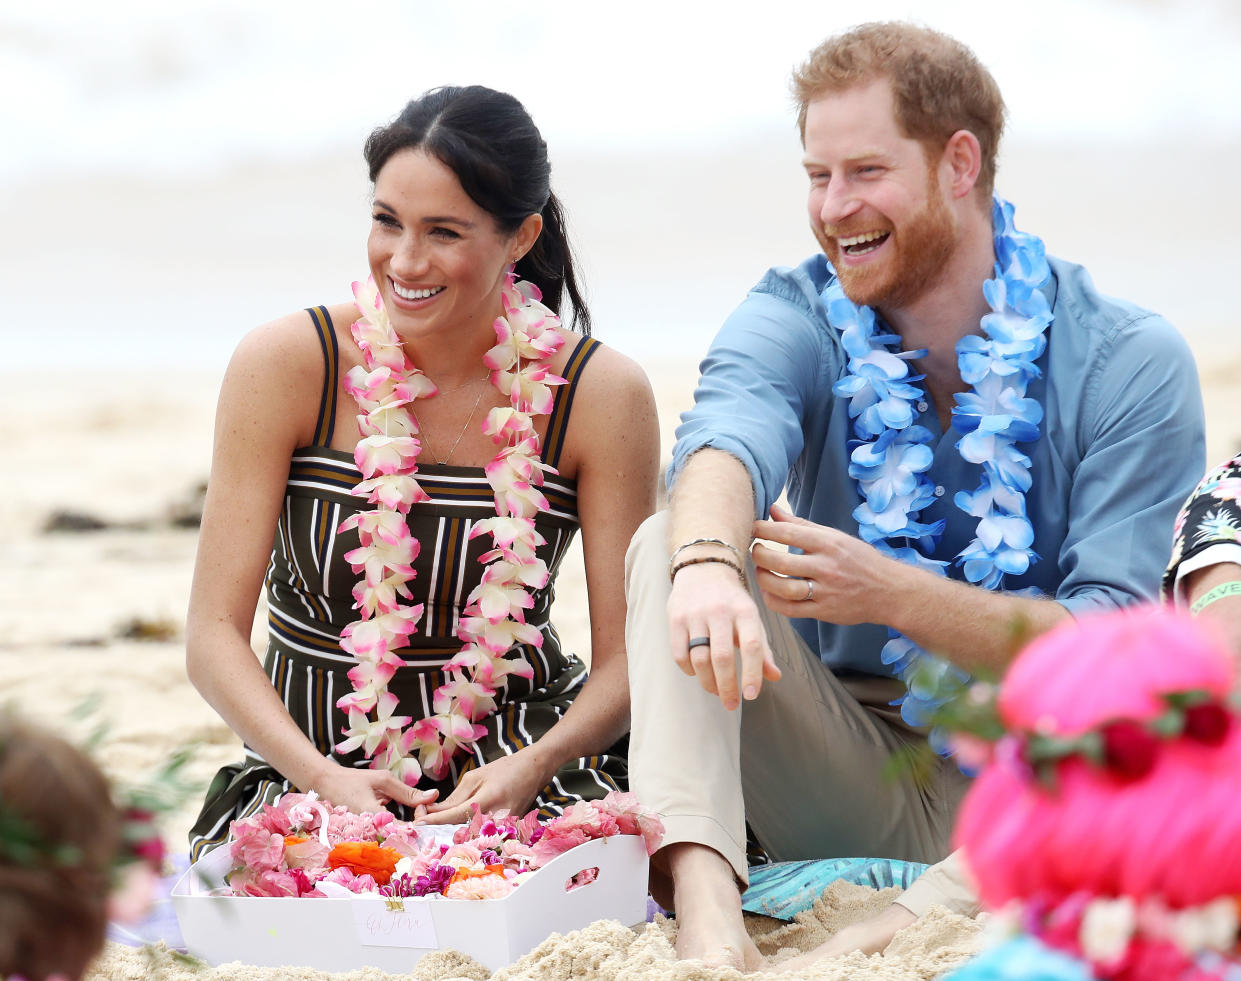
pixel 1232 588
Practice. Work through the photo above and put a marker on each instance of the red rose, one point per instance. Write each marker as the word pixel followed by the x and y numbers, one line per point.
pixel 1129 749
pixel 1207 723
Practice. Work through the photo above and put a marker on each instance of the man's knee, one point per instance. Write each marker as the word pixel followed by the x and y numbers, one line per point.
pixel 649 544
pixel 646 590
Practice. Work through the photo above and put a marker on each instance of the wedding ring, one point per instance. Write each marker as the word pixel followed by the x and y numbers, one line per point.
pixel 698 642
pixel 809 591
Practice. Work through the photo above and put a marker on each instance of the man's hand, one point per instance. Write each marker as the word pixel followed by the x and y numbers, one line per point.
pixel 837 578
pixel 708 600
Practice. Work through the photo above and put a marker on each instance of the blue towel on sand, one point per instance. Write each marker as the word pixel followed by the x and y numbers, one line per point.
pixel 784 889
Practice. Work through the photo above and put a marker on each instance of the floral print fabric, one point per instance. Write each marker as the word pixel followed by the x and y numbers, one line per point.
pixel 1211 516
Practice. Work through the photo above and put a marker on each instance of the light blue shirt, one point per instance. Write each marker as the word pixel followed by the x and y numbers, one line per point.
pixel 1121 442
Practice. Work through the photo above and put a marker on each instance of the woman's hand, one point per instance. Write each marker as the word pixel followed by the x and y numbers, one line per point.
pixel 510 783
pixel 368 790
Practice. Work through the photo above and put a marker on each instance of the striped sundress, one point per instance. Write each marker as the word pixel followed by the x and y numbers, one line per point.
pixel 309 598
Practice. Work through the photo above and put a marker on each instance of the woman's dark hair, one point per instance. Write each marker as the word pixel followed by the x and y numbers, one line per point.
pixel 490 142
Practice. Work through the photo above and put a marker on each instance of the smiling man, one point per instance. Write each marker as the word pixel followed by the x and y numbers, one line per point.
pixel 975 445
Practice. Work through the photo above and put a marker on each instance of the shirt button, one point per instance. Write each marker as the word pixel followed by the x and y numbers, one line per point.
pixel 939 490
pixel 923 405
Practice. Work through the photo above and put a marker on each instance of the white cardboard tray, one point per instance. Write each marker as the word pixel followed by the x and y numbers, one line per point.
pixel 342 934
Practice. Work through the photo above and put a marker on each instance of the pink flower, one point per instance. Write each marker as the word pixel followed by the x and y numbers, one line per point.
pixel 390 527
pixel 394 757
pixel 371 675
pixel 506 424
pixel 381 561
pixel 386 454
pixel 507 530
pixel 368 639
pixel 558 841
pixel 497 636
pixel 310 855
pixel 474 699
pixel 481 887
pixel 381 597
pixel 403 839
pixel 255 847
pixel 437 738
pixel 354 883
pixel 498 596
pixel 528 387
pixel 583 878
pixel 133 896
pixel 517 854
pixel 248 882
pixel 633 818
pixel 464 854
pixel 397 491
pixel 372 386
pixel 371 734
pixel 513 478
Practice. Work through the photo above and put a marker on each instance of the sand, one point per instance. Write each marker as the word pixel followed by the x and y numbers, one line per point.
pixel 101 614
pixel 610 951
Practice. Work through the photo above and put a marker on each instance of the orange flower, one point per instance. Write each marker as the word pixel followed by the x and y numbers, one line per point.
pixel 294 840
pixel 468 873
pixel 365 858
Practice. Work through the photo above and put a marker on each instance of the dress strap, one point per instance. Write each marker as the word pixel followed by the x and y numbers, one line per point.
pixel 326 424
pixel 559 423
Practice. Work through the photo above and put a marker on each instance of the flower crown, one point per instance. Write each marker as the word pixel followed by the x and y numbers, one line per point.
pixel 1126 748
pixel 140 808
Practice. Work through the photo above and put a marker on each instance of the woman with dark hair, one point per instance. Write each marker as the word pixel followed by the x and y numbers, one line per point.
pixel 421 469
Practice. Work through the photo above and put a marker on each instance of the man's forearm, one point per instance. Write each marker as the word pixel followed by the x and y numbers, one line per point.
pixel 712 498
pixel 974 628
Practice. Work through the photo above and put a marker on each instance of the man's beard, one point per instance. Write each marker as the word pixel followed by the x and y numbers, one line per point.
pixel 919 256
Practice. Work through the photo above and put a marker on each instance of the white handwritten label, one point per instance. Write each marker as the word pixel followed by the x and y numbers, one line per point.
pixel 382 923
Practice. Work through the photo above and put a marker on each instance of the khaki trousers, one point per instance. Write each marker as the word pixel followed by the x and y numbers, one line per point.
pixel 804 763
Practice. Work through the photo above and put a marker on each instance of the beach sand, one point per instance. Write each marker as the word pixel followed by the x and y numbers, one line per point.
pixel 100 615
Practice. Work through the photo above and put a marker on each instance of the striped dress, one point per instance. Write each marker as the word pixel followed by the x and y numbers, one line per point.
pixel 309 599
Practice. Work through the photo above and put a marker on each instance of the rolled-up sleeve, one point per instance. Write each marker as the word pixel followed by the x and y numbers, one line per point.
pixel 761 373
pixel 1142 430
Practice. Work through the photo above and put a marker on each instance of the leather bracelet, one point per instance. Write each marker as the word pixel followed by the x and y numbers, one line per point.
pixel 672 573
pixel 704 541
pixel 1230 588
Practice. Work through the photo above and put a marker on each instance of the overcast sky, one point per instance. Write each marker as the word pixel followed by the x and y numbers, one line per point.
pixel 192 85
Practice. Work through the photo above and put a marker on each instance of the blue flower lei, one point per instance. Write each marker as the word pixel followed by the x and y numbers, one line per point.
pixel 891 455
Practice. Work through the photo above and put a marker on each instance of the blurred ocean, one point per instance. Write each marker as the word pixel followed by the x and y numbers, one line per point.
pixel 176 173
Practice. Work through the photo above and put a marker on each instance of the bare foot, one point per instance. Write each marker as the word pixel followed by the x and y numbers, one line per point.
pixel 869 936
pixel 708 909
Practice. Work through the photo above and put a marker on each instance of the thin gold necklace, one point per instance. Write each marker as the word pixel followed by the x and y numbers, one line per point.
pixel 466 425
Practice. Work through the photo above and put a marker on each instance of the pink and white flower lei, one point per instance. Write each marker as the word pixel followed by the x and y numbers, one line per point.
pixel 493 622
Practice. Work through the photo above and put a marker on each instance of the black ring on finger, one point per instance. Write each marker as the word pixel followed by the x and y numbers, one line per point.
pixel 698 642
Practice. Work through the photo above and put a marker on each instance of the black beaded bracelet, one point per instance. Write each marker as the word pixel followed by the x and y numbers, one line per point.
pixel 704 541
pixel 672 573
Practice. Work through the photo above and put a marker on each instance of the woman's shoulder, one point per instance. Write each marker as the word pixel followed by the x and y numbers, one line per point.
pixel 608 373
pixel 277 370
pixel 290 342
pixel 613 408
